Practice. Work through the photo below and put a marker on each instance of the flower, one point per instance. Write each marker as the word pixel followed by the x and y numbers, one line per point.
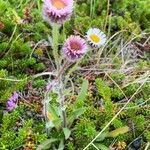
pixel 57 11
pixel 15 96
pixel 11 103
pixel 74 48
pixel 96 37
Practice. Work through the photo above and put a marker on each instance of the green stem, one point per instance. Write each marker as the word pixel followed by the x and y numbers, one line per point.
pixel 55 37
pixel 45 110
pixel 64 117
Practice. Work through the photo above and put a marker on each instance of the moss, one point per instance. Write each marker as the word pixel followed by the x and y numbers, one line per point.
pixel 12 122
pixel 139 122
pixel 40 67
pixel 147 135
pixel 39 83
pixel 84 132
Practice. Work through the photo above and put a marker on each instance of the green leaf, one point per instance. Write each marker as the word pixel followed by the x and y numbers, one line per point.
pixel 46 144
pixel 78 112
pixel 101 146
pixel 61 145
pixel 57 123
pixel 50 125
pixel 103 89
pixel 75 114
pixel 82 95
pixel 118 131
pixel 102 136
pixel 53 113
pixel 67 133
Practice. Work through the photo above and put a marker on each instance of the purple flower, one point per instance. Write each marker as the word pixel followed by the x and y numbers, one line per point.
pixel 10 105
pixel 14 97
pixel 12 101
pixel 57 11
pixel 74 48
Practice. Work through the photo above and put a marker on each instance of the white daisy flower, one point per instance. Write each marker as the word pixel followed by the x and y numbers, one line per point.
pixel 96 37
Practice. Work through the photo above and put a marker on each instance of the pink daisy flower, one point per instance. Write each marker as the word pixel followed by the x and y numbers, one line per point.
pixel 74 48
pixel 57 11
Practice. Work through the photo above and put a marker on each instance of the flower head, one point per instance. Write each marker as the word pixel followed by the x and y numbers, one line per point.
pixel 74 48
pixel 12 101
pixel 14 97
pixel 96 37
pixel 57 11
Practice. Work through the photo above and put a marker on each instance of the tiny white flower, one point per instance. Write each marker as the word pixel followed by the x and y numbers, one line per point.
pixel 96 37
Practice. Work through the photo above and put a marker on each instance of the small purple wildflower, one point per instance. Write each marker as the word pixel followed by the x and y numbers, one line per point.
pixel 74 48
pixel 12 102
pixel 14 97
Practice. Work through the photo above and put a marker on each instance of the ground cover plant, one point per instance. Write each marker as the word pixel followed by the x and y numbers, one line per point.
pixel 74 74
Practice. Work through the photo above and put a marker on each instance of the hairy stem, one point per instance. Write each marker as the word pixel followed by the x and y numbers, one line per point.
pixel 64 117
pixel 45 110
pixel 62 105
pixel 55 37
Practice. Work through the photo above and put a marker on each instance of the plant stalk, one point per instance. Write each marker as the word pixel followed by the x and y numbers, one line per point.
pixel 61 103
pixel 55 37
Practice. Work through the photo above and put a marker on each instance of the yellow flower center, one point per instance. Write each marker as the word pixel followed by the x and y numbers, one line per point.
pixel 95 38
pixel 59 4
